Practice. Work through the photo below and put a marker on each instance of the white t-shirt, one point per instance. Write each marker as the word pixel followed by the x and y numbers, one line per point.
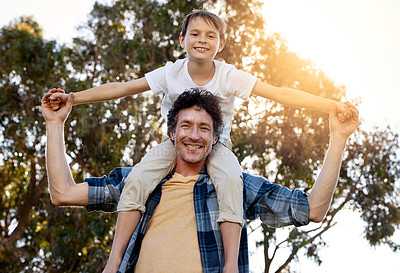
pixel 228 82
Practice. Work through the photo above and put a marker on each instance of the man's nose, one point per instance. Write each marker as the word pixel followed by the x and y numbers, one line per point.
pixel 194 133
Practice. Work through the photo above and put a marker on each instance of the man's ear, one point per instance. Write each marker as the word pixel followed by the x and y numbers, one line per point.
pixel 171 135
pixel 181 40
pixel 215 140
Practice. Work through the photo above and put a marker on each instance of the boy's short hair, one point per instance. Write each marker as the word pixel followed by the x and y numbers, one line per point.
pixel 196 97
pixel 209 17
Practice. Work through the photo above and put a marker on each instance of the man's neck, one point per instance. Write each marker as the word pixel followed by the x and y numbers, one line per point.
pixel 188 169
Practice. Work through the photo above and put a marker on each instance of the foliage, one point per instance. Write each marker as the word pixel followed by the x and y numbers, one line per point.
pixel 123 41
pixel 27 63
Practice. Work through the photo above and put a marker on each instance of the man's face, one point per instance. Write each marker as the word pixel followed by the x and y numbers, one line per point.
pixel 193 136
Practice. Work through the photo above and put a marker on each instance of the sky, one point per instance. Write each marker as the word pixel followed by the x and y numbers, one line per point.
pixel 355 42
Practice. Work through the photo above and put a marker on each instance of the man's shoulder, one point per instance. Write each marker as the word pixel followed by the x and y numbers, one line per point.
pixel 250 178
pixel 254 185
pixel 115 177
pixel 120 172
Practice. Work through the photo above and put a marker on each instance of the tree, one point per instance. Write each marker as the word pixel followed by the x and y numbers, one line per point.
pixel 26 64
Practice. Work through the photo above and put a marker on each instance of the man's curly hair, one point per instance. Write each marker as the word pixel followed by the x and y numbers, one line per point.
pixel 202 98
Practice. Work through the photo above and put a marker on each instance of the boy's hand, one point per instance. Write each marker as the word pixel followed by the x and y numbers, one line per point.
pixel 344 128
pixel 345 111
pixel 59 115
pixel 57 99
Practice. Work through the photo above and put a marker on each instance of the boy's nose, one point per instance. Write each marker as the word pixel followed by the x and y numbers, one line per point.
pixel 202 38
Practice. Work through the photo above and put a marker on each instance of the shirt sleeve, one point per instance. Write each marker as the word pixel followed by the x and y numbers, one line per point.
pixel 276 206
pixel 156 79
pixel 239 83
pixel 104 192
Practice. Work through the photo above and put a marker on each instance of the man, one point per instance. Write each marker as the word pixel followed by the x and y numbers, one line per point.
pixel 179 226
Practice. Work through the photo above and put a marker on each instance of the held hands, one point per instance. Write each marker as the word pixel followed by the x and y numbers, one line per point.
pixel 57 98
pixel 56 110
pixel 343 110
pixel 344 127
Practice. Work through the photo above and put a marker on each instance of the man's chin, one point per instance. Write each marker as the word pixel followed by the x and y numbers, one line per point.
pixel 193 156
pixel 193 160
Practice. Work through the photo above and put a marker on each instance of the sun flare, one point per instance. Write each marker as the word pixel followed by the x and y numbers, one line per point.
pixel 352 42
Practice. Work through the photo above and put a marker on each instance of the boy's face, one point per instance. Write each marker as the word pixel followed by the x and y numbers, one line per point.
pixel 202 40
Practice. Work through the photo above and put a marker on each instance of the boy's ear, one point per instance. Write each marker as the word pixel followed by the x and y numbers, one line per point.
pixel 182 40
pixel 221 45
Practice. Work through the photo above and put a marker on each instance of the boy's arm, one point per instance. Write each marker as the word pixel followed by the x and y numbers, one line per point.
pixel 104 92
pixel 296 98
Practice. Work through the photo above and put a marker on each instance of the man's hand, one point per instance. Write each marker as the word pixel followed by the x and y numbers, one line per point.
pixel 60 113
pixel 346 127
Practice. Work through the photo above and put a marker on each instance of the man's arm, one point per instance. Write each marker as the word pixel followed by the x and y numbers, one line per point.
pixel 321 194
pixel 278 206
pixel 63 190
pixel 104 92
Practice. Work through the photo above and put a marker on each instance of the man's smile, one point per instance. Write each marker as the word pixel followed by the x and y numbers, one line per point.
pixel 193 146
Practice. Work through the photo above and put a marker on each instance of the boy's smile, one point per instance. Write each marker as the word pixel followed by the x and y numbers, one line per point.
pixel 201 49
pixel 202 41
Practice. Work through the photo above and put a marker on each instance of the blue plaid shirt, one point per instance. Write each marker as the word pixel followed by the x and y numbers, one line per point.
pixel 276 206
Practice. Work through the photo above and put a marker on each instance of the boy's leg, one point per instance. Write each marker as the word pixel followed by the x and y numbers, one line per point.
pixel 228 183
pixel 146 175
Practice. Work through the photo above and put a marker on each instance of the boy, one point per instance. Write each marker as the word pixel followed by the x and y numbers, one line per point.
pixel 202 37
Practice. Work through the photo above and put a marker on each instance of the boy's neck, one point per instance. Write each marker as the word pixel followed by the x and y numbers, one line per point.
pixel 201 73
